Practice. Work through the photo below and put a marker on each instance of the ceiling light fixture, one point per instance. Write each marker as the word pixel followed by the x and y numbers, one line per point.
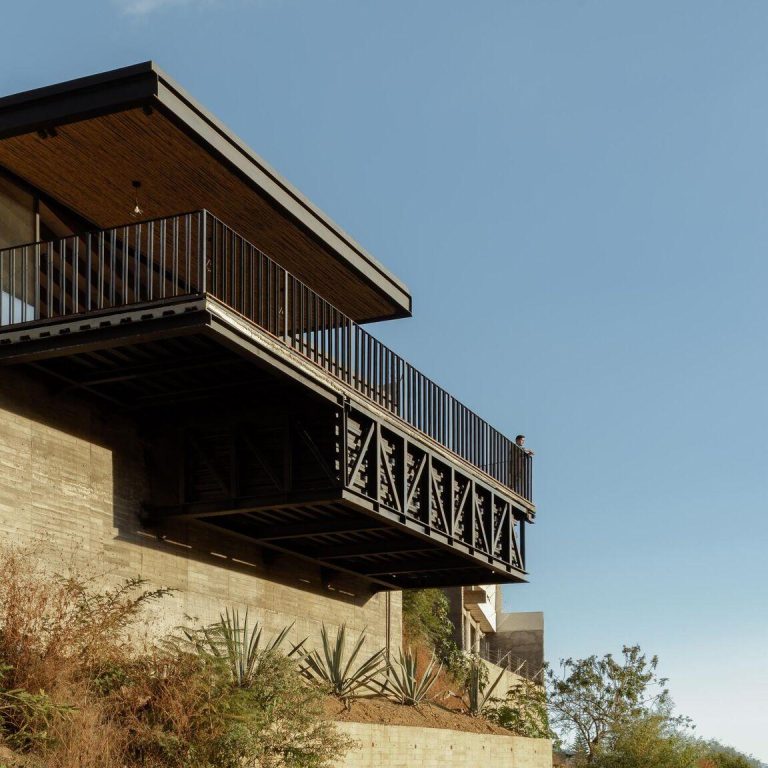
pixel 137 211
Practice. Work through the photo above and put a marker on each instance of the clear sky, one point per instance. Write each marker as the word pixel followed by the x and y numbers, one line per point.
pixel 576 194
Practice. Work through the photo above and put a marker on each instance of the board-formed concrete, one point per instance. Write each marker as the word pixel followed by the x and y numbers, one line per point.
pixel 401 746
pixel 72 479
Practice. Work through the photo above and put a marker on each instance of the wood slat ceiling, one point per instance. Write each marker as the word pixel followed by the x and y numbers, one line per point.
pixel 89 166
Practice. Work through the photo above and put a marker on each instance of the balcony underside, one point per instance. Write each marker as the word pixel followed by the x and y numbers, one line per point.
pixel 271 448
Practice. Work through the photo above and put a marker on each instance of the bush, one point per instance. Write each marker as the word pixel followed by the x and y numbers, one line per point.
pixel 77 693
pixel 238 645
pixel 477 689
pixel 426 621
pixel 405 684
pixel 523 711
pixel 337 672
pixel 717 755
pixel 647 741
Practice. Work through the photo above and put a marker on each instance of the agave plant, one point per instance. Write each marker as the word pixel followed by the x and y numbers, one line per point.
pixel 334 669
pixel 403 681
pixel 239 645
pixel 478 690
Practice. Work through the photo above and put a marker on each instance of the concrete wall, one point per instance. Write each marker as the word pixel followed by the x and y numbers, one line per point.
pixel 400 746
pixel 508 680
pixel 72 474
pixel 522 635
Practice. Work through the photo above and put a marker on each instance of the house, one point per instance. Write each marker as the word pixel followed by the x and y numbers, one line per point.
pixel 190 390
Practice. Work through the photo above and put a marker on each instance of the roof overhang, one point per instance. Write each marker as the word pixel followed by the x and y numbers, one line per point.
pixel 84 141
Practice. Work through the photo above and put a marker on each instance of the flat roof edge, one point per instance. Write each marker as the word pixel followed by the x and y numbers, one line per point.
pixel 77 99
pixel 146 83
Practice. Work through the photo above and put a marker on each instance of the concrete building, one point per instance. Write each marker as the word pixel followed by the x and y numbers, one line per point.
pixel 189 393
pixel 514 640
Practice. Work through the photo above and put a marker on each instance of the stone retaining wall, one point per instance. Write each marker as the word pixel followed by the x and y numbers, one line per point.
pixel 402 746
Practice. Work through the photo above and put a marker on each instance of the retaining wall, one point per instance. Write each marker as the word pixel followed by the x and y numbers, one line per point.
pixel 401 746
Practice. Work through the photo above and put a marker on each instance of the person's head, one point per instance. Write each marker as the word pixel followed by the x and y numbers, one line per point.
pixel 520 440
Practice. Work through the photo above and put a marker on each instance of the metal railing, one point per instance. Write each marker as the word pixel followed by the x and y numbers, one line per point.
pixel 509 661
pixel 196 253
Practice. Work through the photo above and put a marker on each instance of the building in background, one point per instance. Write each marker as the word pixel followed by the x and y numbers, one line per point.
pixel 190 392
pixel 512 640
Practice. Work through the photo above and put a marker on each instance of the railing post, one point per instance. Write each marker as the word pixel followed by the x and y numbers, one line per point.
pixel 38 286
pixel 285 305
pixel 204 254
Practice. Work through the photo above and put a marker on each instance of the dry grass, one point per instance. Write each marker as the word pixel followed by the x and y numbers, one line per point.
pixel 77 692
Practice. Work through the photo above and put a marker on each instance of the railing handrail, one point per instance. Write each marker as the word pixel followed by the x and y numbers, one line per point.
pixel 109 271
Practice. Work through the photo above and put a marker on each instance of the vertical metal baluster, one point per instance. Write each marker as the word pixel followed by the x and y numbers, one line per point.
pixel 381 394
pixel 76 275
pixel 49 279
pixel 202 267
pixel 337 362
pixel 261 290
pixel 137 262
pixel 175 256
pixel 38 286
pixel 124 269
pixel 286 306
pixel 348 350
pixel 162 231
pixel 62 274
pixel 372 353
pixel 251 290
pixel 150 269
pixel 24 285
pixel 3 291
pixel 323 334
pixel 88 271
pixel 275 318
pixel 123 247
pixel 242 276
pixel 63 287
pixel 316 326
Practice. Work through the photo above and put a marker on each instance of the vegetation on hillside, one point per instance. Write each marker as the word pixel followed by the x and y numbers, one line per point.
pixel 427 624
pixel 617 713
pixel 77 692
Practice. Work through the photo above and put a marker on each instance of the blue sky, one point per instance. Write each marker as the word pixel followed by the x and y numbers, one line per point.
pixel 576 194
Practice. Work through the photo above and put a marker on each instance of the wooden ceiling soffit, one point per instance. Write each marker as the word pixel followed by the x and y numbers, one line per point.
pixel 83 142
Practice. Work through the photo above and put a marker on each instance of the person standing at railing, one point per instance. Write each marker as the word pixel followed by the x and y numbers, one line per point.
pixel 520 443
pixel 519 461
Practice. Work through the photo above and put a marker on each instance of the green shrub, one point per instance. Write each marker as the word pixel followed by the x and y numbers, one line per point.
pixel 649 740
pixel 183 710
pixel 232 640
pixel 334 670
pixel 477 689
pixel 426 621
pixel 523 710
pixel 404 682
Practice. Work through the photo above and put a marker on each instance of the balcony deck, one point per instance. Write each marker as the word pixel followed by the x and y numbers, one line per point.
pixel 398 481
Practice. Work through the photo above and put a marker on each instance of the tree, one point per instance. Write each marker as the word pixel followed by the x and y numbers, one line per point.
pixel 594 699
pixel 648 741
pixel 717 755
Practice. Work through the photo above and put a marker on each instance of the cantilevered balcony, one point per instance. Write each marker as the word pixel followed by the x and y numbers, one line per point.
pixel 314 439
